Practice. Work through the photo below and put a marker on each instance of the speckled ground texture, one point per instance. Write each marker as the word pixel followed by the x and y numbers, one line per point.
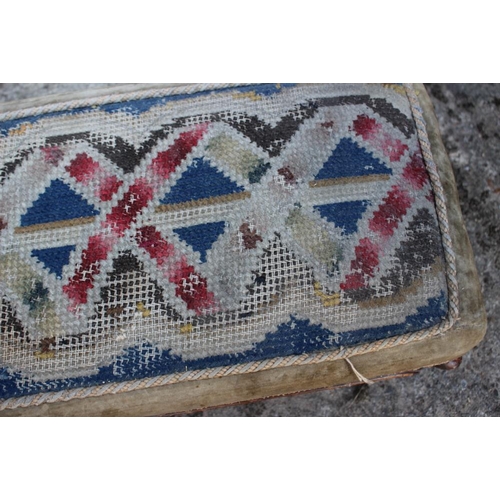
pixel 469 117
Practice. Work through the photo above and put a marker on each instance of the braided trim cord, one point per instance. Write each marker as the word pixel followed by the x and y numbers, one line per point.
pixel 256 366
pixel 114 98
pixel 425 145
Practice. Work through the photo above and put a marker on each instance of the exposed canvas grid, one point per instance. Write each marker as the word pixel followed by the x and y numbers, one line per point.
pixel 175 233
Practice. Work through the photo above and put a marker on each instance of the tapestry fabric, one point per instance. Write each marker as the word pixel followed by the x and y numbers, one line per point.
pixel 202 229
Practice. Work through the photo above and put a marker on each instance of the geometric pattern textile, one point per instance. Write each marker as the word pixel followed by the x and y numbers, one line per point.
pixel 193 231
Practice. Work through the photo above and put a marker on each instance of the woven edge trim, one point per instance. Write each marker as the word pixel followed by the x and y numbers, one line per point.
pixel 86 102
pixel 281 362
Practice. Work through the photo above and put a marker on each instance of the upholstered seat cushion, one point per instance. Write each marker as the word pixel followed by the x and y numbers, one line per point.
pixel 194 233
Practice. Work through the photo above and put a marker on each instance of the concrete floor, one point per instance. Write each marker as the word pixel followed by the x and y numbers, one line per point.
pixel 469 117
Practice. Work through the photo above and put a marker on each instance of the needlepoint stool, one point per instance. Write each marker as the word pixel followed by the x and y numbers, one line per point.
pixel 171 248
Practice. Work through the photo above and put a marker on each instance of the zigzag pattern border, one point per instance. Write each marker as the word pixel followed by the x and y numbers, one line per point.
pixel 375 141
pixel 265 140
pixel 342 353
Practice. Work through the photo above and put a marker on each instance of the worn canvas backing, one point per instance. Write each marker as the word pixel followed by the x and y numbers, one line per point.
pixel 193 231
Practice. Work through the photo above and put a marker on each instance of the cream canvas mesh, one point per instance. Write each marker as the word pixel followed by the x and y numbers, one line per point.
pixel 161 234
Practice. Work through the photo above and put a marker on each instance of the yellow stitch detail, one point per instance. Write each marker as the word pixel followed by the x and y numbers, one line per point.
pixel 21 130
pixel 250 95
pixel 143 310
pixel 327 300
pixel 348 180
pixel 187 328
pixel 45 226
pixel 397 88
pixel 186 205
pixel 44 355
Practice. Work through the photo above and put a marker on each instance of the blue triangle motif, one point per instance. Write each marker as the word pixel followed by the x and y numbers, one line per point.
pixel 54 259
pixel 350 160
pixel 202 236
pixel 57 202
pixel 199 181
pixel 345 214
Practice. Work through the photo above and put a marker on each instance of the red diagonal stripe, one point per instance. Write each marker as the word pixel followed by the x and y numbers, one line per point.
pixel 364 264
pixel 371 131
pixel 167 161
pixel 82 281
pixel 85 170
pixel 391 212
pixel 125 213
pixel 189 285
pixel 415 172
pixel 384 222
pixel 134 201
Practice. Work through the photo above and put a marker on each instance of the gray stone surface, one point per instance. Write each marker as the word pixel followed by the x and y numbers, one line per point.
pixel 469 117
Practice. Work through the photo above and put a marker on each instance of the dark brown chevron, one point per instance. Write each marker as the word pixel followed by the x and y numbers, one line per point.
pixel 393 115
pixel 123 154
pixel 118 289
pixel 119 151
pixel 270 138
pixel 10 167
pixel 127 157
pixel 379 105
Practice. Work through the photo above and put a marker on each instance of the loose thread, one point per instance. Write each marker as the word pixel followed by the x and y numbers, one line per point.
pixel 361 377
